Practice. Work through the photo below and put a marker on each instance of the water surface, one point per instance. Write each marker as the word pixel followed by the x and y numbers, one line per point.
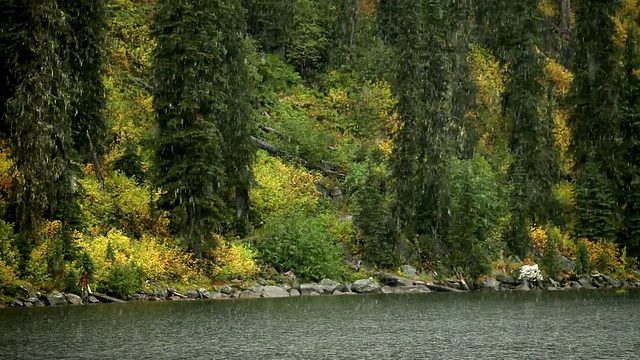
pixel 533 325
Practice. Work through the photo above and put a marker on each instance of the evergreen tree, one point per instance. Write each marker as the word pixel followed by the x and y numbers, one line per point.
pixel 87 22
pixel 629 189
pixel 424 144
pixel 37 112
pixel 595 118
pixel 204 116
pixel 269 22
pixel 535 166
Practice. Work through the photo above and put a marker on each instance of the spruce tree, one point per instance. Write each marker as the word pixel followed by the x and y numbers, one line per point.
pixel 86 57
pixel 424 144
pixel 37 112
pixel 535 166
pixel 202 104
pixel 595 118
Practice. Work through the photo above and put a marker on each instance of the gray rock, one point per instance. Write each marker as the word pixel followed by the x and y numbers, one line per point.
pixel 343 287
pixel 506 279
pixel 311 289
pixel 409 270
pixel 294 292
pixel 217 296
pixel 329 286
pixel 17 302
pixel 524 286
pixel 568 265
pixel 262 281
pixel 395 280
pixel 491 284
pixel 74 299
pixel 93 300
pixel 336 193
pixel 55 299
pixel 204 293
pixel 38 303
pixel 192 294
pixel 18 289
pixel 274 292
pixel 28 304
pixel 364 286
pixel 575 285
pixel 227 290
pixel 249 294
pixel 586 283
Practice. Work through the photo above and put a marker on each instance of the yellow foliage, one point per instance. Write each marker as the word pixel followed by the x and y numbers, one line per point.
pixel 547 8
pixel 161 262
pixel 281 186
pixel 560 77
pixel 6 164
pixel 615 258
pixel 233 259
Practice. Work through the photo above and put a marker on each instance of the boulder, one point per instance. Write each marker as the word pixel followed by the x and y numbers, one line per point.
pixel 311 289
pixel 28 304
pixel 19 290
pixel 613 282
pixel 262 281
pixel 17 302
pixel 586 283
pixel 93 300
pixel 409 270
pixel 55 299
pixel 329 286
pixel 490 283
pixel 74 299
pixel 249 294
pixel 575 285
pixel 568 265
pixel 395 280
pixel 506 279
pixel 274 292
pixel 524 286
pixel 294 292
pixel 204 293
pixel 227 290
pixel 192 294
pixel 217 296
pixel 364 286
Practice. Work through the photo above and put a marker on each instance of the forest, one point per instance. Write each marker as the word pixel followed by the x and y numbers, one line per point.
pixel 194 142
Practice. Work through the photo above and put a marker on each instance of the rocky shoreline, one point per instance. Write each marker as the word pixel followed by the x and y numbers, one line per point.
pixel 22 295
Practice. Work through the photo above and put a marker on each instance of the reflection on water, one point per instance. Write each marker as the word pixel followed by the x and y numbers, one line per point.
pixel 534 325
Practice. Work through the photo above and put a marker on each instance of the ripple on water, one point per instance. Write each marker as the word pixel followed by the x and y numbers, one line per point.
pixel 533 325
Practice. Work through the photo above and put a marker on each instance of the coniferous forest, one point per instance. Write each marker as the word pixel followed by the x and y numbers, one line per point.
pixel 189 142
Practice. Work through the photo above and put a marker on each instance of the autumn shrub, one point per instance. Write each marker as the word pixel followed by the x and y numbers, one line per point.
pixel 8 253
pixel 233 259
pixel 281 187
pixel 302 243
pixel 124 279
pixel 161 262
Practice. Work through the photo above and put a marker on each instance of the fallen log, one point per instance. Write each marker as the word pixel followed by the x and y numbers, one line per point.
pixel 173 292
pixel 441 288
pixel 107 298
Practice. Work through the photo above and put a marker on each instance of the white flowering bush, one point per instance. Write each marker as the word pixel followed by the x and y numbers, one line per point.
pixel 530 272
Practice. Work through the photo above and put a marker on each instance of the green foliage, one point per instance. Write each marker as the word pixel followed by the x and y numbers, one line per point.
pixel 124 280
pixel 476 210
pixel 303 244
pixel 594 204
pixel 551 262
pixel 583 258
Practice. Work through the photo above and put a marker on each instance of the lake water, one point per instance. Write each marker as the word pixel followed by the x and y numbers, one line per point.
pixel 532 325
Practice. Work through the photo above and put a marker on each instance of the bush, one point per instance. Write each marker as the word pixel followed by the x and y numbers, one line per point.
pixel 583 258
pixel 235 259
pixel 124 280
pixel 551 263
pixel 303 244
